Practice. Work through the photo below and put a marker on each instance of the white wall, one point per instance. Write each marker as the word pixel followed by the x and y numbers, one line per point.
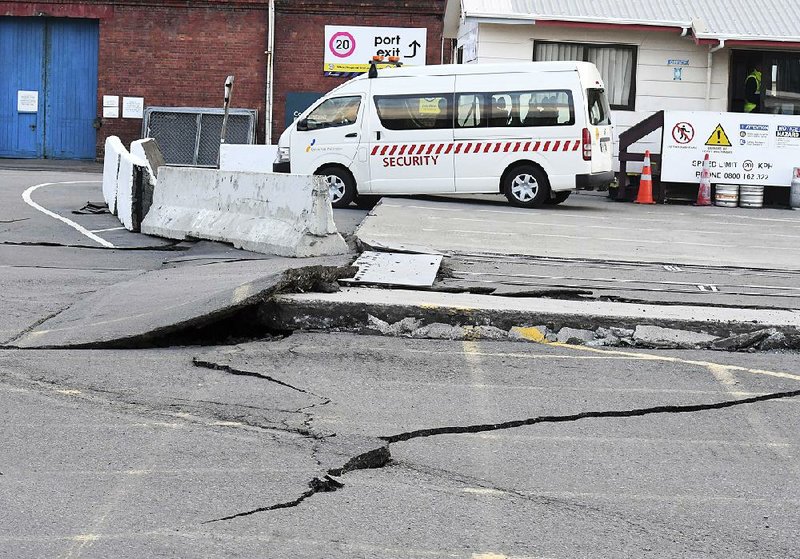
pixel 247 157
pixel 655 87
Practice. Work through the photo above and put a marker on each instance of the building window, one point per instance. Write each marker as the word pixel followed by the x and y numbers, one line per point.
pixel 617 65
pixel 781 83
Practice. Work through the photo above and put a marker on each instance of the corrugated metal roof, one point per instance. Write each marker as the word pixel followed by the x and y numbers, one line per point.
pixel 747 20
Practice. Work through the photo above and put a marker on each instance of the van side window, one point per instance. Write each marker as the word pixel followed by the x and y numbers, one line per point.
pixel 415 112
pixel 470 110
pixel 532 108
pixel 503 112
pixel 338 111
pixel 547 108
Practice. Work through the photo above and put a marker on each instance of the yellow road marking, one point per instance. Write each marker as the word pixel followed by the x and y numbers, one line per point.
pixel 530 334
pixel 669 359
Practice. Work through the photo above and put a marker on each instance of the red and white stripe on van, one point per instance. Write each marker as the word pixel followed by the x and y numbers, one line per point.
pixel 438 148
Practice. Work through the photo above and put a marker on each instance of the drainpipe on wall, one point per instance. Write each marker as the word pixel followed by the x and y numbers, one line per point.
pixel 711 51
pixel 270 70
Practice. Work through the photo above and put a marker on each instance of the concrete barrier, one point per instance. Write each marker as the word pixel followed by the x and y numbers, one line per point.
pixel 129 179
pixel 147 150
pixel 287 215
pixel 247 158
pixel 113 151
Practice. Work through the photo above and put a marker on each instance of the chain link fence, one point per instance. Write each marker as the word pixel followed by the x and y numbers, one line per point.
pixel 190 135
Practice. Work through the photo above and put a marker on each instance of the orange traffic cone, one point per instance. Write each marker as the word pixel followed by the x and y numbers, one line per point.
pixel 704 192
pixel 645 195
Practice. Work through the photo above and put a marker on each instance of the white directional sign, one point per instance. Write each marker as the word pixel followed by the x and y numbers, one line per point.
pixel 752 149
pixel 348 49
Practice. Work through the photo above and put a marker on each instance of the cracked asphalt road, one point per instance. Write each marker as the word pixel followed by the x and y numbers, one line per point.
pixel 341 446
pixel 224 452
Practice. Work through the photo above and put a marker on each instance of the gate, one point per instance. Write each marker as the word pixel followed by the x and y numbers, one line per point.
pixel 48 90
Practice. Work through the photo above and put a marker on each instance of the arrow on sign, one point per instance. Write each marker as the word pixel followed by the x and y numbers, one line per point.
pixel 415 45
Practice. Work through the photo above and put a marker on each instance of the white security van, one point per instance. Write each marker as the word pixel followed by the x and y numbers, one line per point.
pixel 533 131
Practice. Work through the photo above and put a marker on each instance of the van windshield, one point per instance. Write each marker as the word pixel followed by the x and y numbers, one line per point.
pixel 599 111
pixel 339 111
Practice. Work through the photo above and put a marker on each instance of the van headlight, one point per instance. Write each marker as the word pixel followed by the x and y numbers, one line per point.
pixel 283 155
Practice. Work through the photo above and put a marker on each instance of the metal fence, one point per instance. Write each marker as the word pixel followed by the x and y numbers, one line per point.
pixel 190 135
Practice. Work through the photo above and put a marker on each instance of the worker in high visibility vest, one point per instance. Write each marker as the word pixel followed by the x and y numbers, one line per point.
pixel 752 91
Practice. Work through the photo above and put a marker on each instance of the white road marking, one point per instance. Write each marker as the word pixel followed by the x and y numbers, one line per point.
pixel 105 230
pixel 82 230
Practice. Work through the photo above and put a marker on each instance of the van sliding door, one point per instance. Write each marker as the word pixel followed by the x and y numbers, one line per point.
pixel 411 135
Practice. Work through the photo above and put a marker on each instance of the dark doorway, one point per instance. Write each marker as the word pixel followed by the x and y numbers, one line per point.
pixel 780 85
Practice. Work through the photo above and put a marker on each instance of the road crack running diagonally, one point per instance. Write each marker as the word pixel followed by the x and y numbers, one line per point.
pixel 637 412
pixel 197 362
pixel 380 456
pixel 33 326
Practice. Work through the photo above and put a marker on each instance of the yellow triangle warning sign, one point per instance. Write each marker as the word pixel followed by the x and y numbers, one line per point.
pixel 718 137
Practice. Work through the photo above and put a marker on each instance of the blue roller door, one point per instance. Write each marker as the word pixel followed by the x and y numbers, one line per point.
pixel 58 59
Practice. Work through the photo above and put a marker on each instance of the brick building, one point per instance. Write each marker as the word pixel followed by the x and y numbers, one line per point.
pixel 173 53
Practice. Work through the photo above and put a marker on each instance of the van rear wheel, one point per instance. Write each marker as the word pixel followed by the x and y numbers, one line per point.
pixel 526 186
pixel 558 197
pixel 341 185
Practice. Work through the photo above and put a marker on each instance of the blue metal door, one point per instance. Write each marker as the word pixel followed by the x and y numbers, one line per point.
pixel 71 88
pixel 21 74
pixel 56 61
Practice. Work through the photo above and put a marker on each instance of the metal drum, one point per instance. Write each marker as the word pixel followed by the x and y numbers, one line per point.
pixel 751 196
pixel 727 195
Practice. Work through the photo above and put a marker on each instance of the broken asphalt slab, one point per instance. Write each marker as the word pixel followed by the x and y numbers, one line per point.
pixel 591 227
pixel 149 307
pixel 462 316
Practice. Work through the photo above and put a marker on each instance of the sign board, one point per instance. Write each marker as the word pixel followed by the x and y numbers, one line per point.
pixel 133 107
pixel 297 102
pixel 348 49
pixel 751 149
pixel 27 101
pixel 110 106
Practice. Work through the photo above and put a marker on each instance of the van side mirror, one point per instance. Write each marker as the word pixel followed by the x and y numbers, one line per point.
pixel 302 125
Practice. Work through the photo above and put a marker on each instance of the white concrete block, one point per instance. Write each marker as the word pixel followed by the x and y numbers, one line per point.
pixel 247 158
pixel 287 215
pixel 138 151
pixel 125 189
pixel 113 150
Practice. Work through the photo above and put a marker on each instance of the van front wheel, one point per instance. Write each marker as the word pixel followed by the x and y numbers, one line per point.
pixel 526 186
pixel 341 185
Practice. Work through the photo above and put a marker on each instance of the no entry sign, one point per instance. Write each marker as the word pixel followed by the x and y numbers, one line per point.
pixel 348 49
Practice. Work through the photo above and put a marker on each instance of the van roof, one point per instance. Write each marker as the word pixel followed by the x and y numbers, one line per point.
pixel 478 69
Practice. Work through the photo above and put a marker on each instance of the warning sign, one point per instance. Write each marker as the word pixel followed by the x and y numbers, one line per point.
pixel 762 149
pixel 719 137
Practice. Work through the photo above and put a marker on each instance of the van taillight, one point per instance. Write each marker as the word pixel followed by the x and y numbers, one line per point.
pixel 587 145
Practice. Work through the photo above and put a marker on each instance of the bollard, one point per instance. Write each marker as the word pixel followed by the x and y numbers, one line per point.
pixel 794 195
